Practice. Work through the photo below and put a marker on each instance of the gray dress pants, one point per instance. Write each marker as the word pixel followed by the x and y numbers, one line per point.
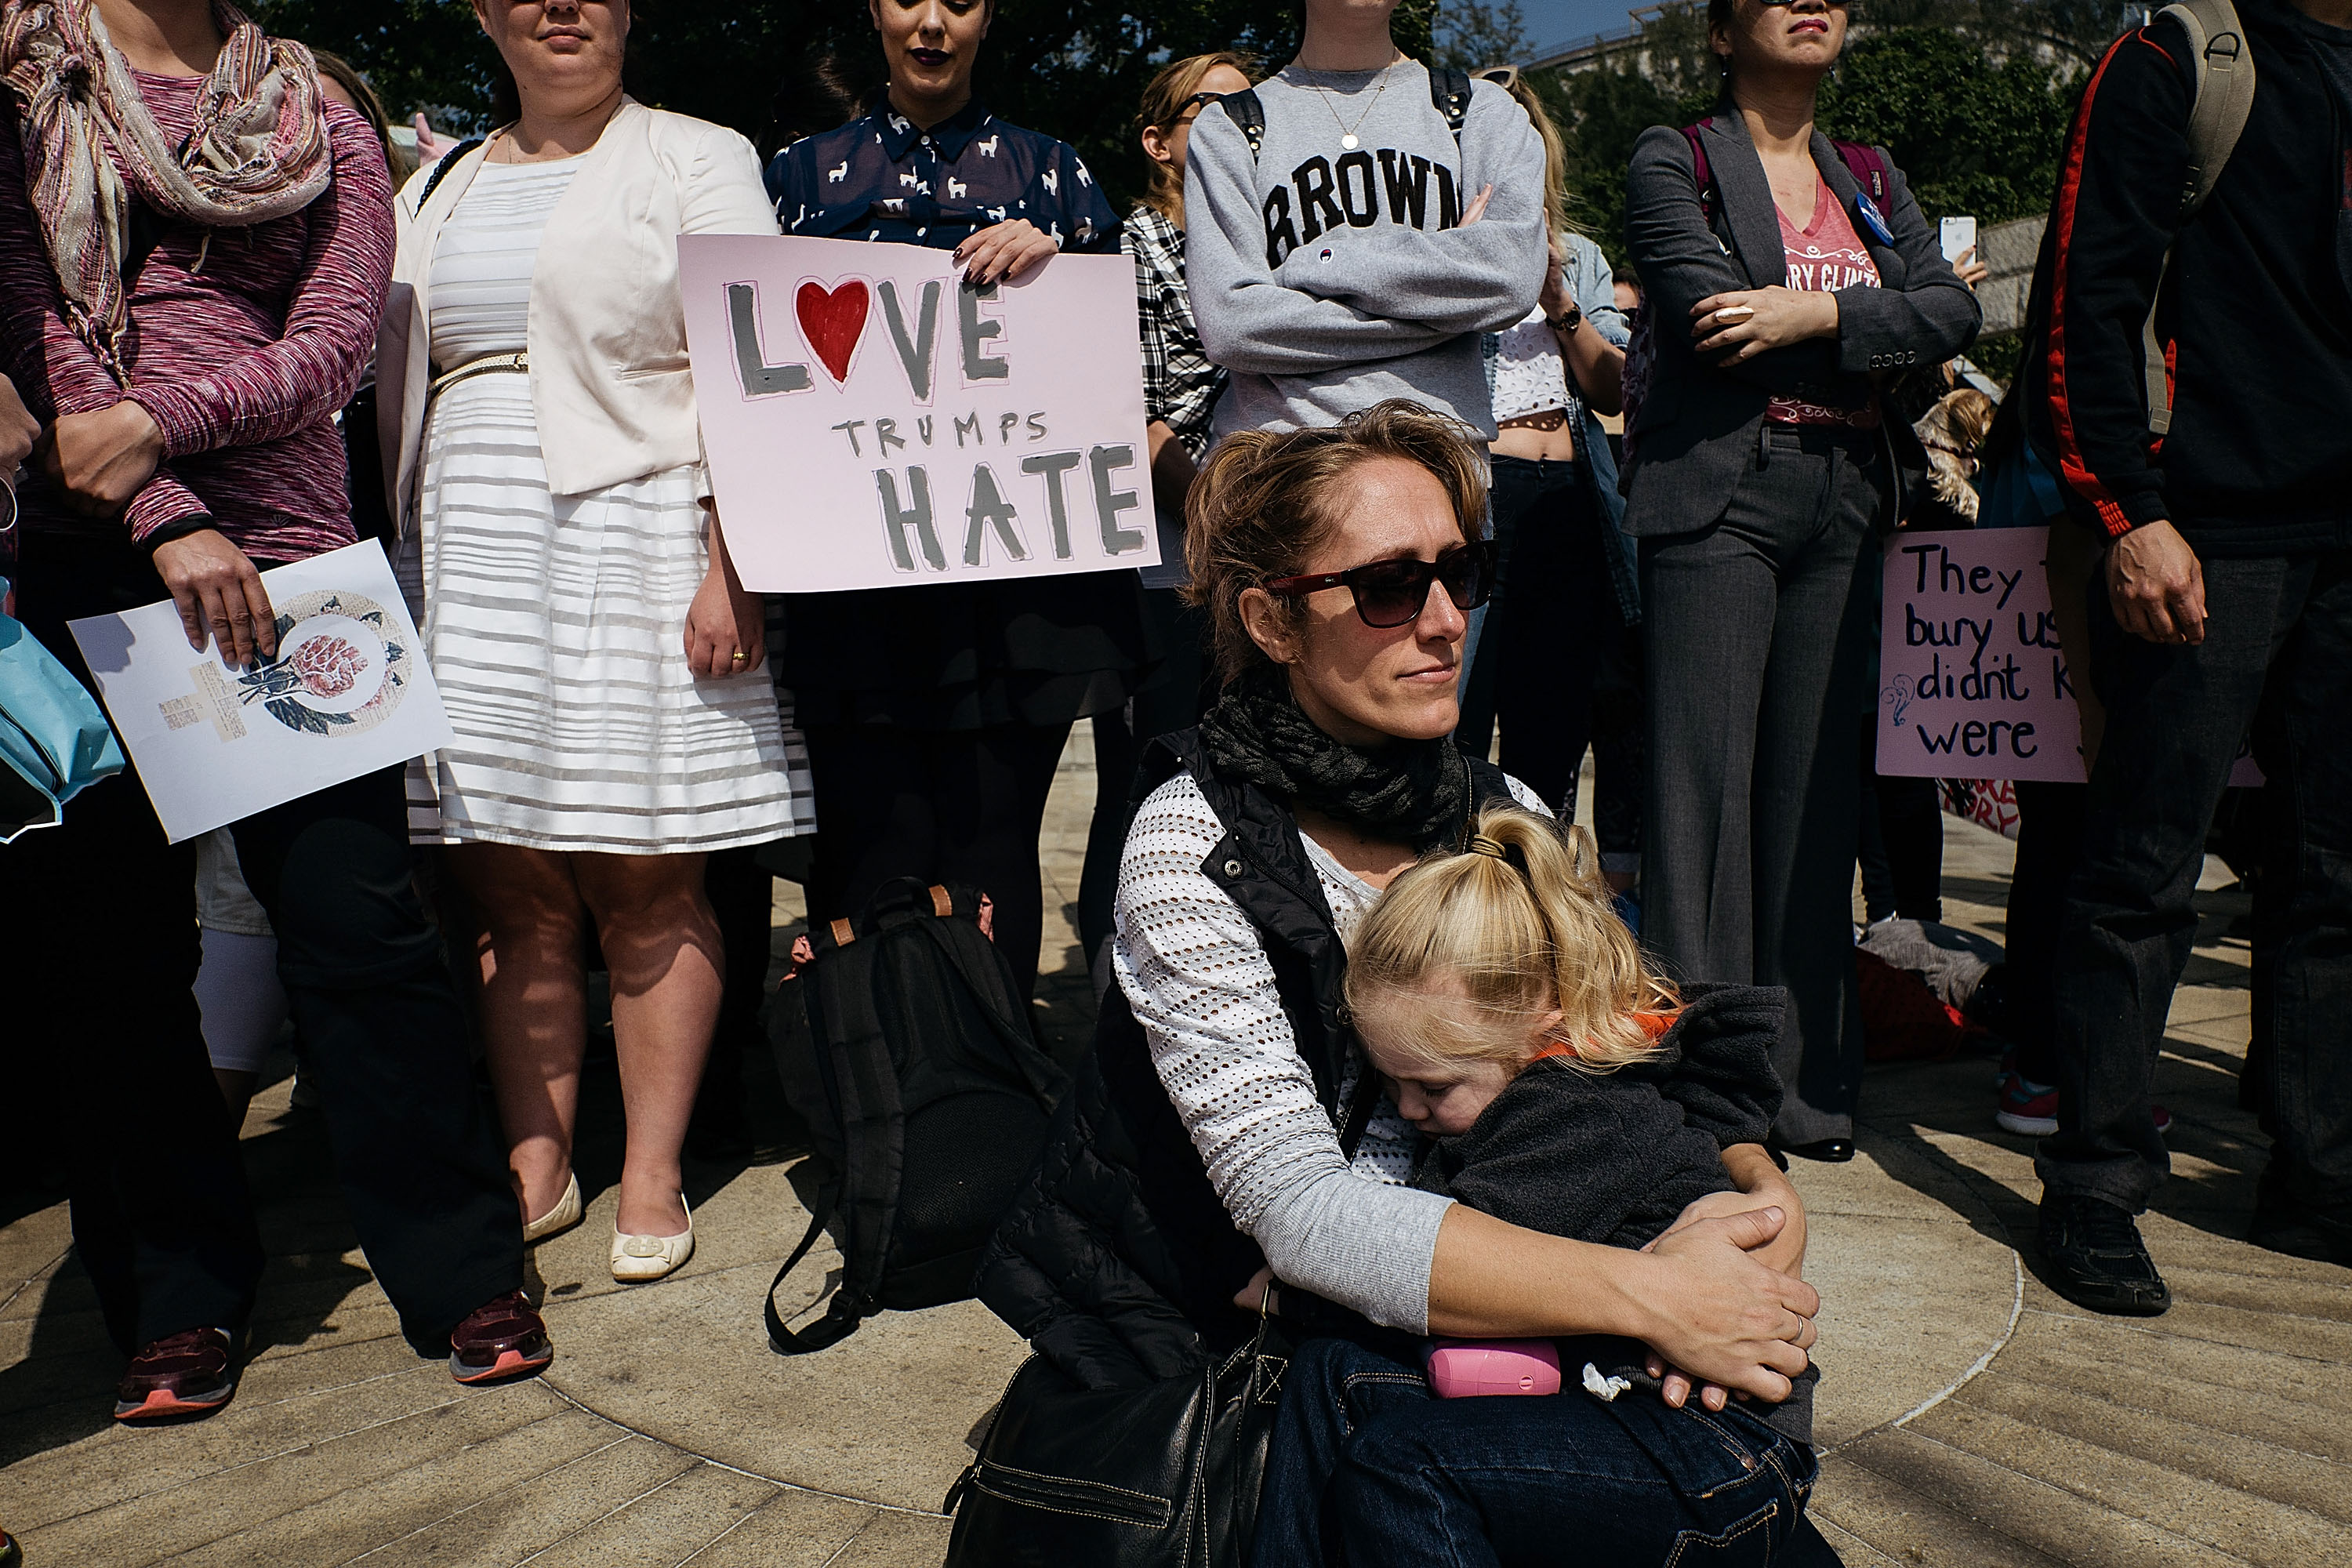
pixel 1757 631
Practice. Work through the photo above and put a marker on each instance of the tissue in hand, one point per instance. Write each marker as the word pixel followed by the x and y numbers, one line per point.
pixel 1468 1369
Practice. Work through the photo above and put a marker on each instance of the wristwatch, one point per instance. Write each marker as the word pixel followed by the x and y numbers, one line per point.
pixel 1567 320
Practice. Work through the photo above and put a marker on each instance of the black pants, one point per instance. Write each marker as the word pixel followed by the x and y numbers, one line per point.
pixel 941 805
pixel 1175 697
pixel 1557 664
pixel 742 896
pixel 2277 657
pixel 1901 840
pixel 1757 633
pixel 105 1032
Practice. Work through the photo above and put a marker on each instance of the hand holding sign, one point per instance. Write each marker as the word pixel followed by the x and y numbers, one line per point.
pixel 898 424
pixel 1004 252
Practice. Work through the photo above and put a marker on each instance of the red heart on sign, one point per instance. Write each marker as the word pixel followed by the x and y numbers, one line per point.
pixel 832 322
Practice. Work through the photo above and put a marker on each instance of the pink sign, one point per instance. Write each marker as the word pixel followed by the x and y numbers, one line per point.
pixel 872 421
pixel 1972 682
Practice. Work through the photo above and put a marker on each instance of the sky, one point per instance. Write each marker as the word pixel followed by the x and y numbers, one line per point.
pixel 1556 21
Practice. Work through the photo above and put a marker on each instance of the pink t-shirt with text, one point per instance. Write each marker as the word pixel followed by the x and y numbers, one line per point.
pixel 1824 256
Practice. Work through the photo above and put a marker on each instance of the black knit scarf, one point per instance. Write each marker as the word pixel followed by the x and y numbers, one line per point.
pixel 1414 791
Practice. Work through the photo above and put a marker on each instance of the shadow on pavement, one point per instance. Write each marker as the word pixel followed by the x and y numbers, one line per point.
pixel 2218 1150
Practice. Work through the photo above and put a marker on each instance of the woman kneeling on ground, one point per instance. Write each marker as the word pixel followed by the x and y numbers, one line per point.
pixel 1324 771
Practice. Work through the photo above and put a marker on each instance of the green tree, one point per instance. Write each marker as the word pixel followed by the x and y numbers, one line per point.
pixel 1973 135
pixel 1074 68
pixel 1472 34
pixel 1602 112
pixel 1973 113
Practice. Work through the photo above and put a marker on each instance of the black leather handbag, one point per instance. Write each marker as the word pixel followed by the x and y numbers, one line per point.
pixel 1166 1475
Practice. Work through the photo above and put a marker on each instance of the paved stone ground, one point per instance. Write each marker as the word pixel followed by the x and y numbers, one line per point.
pixel 1971 1416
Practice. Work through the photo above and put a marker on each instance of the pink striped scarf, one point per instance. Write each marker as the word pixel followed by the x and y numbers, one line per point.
pixel 258 148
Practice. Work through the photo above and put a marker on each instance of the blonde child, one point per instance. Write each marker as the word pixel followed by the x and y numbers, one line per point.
pixel 1564 1085
pixel 1561 1085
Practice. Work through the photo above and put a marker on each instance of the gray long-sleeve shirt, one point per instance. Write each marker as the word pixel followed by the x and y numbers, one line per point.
pixel 1326 278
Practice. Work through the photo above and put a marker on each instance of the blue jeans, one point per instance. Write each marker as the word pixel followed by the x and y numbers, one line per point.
pixel 1368 1469
pixel 2277 662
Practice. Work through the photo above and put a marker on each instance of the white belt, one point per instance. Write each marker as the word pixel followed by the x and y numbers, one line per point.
pixel 515 363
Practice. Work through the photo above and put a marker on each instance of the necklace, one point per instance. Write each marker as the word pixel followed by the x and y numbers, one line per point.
pixel 1348 138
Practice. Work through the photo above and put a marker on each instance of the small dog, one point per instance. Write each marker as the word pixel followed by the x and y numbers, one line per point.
pixel 1953 430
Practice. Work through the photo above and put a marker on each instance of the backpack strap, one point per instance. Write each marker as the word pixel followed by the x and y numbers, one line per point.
pixel 441 170
pixel 1449 90
pixel 2224 91
pixel 1868 168
pixel 1244 110
pixel 2221 89
pixel 841 1319
pixel 1701 171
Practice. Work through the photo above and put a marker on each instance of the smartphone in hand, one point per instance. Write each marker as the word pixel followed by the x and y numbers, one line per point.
pixel 1958 236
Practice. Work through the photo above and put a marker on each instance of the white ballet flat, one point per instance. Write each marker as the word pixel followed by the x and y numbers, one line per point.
pixel 639 1258
pixel 562 1217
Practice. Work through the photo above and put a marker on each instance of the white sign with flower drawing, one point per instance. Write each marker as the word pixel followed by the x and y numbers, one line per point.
pixel 348 693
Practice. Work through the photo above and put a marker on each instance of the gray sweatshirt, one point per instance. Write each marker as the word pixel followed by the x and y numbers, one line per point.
pixel 1326 278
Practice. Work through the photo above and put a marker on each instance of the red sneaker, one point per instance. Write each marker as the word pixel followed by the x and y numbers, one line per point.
pixel 502 1338
pixel 2027 1107
pixel 186 1373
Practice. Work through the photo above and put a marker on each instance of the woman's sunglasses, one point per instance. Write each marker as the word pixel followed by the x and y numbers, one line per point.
pixel 1391 594
pixel 1198 101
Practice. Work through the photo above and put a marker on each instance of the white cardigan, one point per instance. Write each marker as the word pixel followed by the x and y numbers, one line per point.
pixel 609 377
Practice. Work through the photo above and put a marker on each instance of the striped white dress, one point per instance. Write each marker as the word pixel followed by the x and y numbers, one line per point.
pixel 556 626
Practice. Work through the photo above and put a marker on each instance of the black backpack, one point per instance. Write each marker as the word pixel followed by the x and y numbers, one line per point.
pixel 904 1043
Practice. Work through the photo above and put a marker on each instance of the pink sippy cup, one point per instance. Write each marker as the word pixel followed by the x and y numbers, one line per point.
pixel 1468 1369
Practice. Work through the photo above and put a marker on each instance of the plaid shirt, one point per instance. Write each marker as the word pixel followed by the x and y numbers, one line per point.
pixel 1180 386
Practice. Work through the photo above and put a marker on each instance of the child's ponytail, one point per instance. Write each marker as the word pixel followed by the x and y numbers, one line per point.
pixel 1596 971
pixel 1522 924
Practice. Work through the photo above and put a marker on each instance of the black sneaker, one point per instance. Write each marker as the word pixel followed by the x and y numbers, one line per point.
pixel 2096 1258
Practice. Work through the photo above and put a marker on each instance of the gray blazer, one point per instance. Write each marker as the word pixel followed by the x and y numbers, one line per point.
pixel 1698 424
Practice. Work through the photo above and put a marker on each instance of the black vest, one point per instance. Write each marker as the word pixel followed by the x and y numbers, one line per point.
pixel 1117 1262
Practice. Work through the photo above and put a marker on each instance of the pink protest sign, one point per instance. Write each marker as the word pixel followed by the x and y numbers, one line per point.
pixel 872 421
pixel 1972 685
pixel 1972 682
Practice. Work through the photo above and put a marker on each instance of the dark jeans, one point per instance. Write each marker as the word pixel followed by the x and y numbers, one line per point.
pixel 2277 657
pixel 1368 1467
pixel 1901 840
pixel 1756 635
pixel 941 805
pixel 2049 844
pixel 97 977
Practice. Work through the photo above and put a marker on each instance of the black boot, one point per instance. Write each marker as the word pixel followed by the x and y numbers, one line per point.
pixel 2096 1258
pixel 2283 1225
